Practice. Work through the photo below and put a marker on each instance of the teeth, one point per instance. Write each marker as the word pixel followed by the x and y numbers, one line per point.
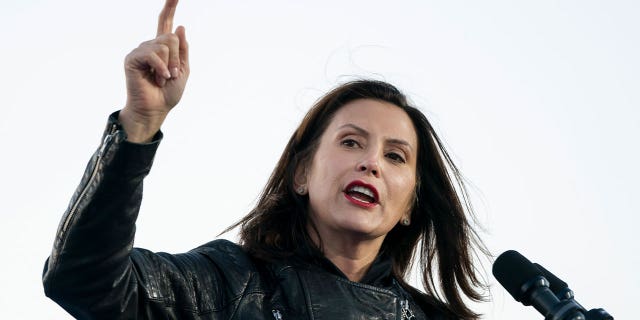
pixel 360 200
pixel 363 190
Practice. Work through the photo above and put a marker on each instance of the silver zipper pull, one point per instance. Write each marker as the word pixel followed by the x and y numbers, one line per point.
pixel 107 140
pixel 406 312
pixel 276 314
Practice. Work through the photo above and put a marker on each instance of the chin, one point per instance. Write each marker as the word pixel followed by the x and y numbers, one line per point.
pixel 363 230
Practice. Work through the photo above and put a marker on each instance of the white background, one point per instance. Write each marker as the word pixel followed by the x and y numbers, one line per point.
pixel 537 101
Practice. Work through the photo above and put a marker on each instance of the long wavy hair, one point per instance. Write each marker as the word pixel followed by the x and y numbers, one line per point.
pixel 440 233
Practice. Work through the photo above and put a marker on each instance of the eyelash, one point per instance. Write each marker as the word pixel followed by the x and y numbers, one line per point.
pixel 350 143
pixel 394 156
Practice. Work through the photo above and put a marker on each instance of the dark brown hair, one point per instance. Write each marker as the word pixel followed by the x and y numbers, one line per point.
pixel 440 230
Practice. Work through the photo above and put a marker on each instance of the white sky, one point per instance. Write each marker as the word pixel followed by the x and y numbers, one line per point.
pixel 537 100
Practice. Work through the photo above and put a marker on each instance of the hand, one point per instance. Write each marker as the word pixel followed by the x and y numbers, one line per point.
pixel 156 73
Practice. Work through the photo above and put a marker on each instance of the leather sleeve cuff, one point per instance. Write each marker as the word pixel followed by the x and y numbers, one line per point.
pixel 120 154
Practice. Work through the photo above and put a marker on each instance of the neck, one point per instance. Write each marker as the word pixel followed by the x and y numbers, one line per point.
pixel 353 256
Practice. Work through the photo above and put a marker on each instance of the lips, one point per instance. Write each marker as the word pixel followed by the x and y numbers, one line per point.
pixel 361 194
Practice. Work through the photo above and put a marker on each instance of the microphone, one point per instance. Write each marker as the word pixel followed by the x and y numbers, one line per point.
pixel 559 287
pixel 527 284
pixel 562 291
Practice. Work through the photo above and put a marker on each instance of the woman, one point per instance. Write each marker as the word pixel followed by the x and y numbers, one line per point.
pixel 362 186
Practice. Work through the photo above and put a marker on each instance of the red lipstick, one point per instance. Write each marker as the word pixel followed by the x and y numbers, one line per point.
pixel 361 194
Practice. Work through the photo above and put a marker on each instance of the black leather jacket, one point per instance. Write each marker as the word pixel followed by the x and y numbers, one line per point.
pixel 94 271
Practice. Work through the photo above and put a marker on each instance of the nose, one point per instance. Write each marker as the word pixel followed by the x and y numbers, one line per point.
pixel 369 164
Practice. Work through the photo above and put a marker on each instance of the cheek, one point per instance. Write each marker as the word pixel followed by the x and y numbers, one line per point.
pixel 331 167
pixel 323 183
pixel 404 187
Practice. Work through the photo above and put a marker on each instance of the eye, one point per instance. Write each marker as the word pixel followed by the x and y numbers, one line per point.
pixel 350 143
pixel 396 157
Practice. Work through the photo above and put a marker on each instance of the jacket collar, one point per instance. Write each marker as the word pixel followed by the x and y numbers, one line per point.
pixel 379 274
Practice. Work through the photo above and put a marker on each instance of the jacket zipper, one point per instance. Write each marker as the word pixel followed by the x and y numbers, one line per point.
pixel 276 314
pixel 103 148
pixel 405 311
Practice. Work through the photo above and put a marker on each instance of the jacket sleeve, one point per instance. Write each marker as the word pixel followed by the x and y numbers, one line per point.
pixel 93 270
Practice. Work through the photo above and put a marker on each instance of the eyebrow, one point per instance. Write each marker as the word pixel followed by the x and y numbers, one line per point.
pixel 366 133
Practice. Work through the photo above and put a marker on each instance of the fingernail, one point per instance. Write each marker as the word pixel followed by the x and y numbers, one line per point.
pixel 167 75
pixel 174 72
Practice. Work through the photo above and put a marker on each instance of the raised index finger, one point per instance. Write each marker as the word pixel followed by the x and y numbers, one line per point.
pixel 165 20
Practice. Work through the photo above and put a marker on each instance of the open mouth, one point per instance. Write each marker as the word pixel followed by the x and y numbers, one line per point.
pixel 361 194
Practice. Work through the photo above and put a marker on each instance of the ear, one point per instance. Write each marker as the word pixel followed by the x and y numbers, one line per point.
pixel 300 179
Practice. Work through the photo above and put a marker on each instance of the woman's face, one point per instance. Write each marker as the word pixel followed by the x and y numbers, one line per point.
pixel 362 177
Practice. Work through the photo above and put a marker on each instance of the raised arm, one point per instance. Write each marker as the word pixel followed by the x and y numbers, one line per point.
pixel 93 270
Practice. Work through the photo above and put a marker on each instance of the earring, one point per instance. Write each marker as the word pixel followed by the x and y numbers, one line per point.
pixel 405 221
pixel 301 190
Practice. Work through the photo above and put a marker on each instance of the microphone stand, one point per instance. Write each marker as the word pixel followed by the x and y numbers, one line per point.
pixel 562 291
pixel 567 294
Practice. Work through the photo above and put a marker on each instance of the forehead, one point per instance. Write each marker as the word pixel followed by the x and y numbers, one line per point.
pixel 376 117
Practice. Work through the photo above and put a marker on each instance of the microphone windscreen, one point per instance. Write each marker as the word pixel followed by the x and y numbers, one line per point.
pixel 513 270
pixel 555 283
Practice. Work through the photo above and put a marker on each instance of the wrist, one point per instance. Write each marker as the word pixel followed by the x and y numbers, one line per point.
pixel 140 128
